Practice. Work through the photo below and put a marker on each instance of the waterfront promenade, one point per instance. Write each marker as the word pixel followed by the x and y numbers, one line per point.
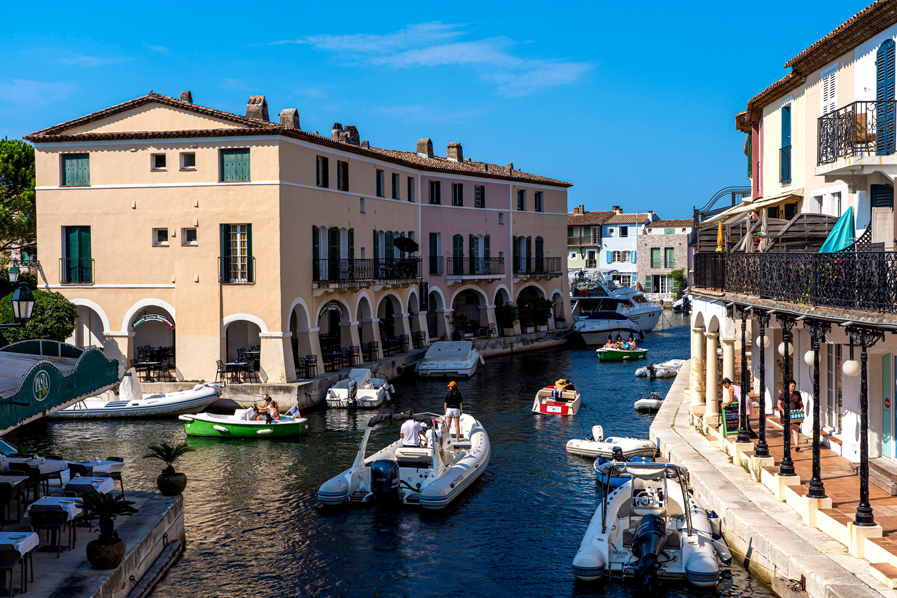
pixel 767 534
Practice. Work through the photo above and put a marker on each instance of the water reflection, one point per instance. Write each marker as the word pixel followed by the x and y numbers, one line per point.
pixel 254 525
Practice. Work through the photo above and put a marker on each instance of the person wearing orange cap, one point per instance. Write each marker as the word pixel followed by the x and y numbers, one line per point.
pixel 453 407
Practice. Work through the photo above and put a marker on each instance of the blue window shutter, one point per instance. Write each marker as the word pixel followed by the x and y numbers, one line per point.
pixel 786 125
pixel 610 257
pixel 884 92
pixel 633 257
pixel 225 252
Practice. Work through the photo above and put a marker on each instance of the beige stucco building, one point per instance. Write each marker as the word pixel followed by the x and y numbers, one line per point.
pixel 232 231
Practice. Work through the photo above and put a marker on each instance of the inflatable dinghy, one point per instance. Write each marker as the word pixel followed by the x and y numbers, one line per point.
pixel 667 369
pixel 596 446
pixel 651 403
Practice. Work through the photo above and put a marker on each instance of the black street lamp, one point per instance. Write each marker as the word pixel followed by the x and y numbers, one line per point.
pixel 786 467
pixel 22 299
pixel 762 448
pixel 743 435
pixel 817 333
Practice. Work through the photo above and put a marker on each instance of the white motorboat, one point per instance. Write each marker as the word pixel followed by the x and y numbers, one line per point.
pixel 598 324
pixel 551 401
pixel 131 402
pixel 431 477
pixel 597 445
pixel 649 529
pixel 649 403
pixel 595 295
pixel 359 390
pixel 682 305
pixel 667 369
pixel 449 359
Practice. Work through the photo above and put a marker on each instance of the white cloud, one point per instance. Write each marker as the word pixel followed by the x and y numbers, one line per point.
pixel 82 60
pixel 438 44
pixel 33 93
pixel 311 92
pixel 159 49
pixel 233 84
pixel 427 114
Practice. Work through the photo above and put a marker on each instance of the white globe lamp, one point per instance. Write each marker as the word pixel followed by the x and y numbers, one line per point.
pixel 808 358
pixel 782 348
pixel 763 342
pixel 851 368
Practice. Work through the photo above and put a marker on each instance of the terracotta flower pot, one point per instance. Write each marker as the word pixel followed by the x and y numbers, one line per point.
pixel 171 484
pixel 106 556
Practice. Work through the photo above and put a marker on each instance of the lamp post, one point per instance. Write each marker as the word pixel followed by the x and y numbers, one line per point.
pixel 786 467
pixel 743 435
pixel 865 338
pixel 22 299
pixel 762 448
pixel 817 333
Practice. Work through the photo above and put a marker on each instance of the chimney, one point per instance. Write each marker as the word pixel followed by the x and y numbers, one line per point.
pixel 509 169
pixel 425 147
pixel 257 107
pixel 617 210
pixel 579 209
pixel 289 117
pixel 350 135
pixel 366 144
pixel 336 131
pixel 455 153
pixel 186 96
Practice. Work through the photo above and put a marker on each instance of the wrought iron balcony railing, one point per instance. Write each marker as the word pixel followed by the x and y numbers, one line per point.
pixel 475 266
pixel 364 271
pixel 76 270
pixel 865 280
pixel 236 270
pixel 538 266
pixel 856 130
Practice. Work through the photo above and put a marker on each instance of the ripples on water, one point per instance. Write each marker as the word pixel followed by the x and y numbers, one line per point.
pixel 254 525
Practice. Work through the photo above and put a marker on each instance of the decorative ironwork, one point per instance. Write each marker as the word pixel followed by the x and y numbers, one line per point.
pixel 360 272
pixel 865 337
pixel 862 280
pixel 475 266
pixel 538 266
pixel 817 332
pixel 743 434
pixel 856 130
pixel 762 448
pixel 786 322
pixel 76 270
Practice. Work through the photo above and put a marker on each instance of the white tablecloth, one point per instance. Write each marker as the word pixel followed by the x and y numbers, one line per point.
pixel 103 466
pixel 80 485
pixel 21 541
pixel 57 503
pixel 45 466
pixel 13 480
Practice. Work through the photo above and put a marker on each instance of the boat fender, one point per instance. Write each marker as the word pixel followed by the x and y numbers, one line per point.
pixel 220 428
pixel 482 361
pixel 722 551
pixel 392 389
pixel 185 418
pixel 198 386
pixel 713 518
pixel 459 456
pixel 261 432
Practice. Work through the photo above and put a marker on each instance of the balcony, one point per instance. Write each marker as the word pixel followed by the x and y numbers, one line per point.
pixel 76 270
pixel 236 270
pixel 864 281
pixel 538 267
pixel 475 268
pixel 336 273
pixel 858 130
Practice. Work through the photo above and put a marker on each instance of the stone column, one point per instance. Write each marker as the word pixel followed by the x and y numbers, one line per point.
pixel 444 324
pixel 419 321
pixel 370 332
pixel 276 360
pixel 120 346
pixel 348 334
pixel 401 326
pixel 696 382
pixel 729 360
pixel 310 344
pixel 711 415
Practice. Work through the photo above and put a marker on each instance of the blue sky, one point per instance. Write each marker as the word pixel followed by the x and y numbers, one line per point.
pixel 634 103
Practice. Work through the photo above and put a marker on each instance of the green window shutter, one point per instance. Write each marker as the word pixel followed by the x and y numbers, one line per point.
pixel 225 252
pixel 674 285
pixel 315 253
pixel 649 288
pixel 351 242
pixel 75 169
pixel 486 247
pixel 235 165
pixel 249 261
pixel 669 231
pixel 376 255
pixel 390 248
pixel 669 258
pixel 655 257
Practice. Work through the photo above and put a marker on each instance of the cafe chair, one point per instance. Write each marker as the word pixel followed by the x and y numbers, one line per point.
pixel 8 494
pixel 63 494
pixel 221 374
pixel 29 556
pixel 79 469
pixel 9 558
pixel 311 366
pixel 116 475
pixel 54 522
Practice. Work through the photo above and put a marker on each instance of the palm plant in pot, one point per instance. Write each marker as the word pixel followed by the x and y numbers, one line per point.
pixel 107 551
pixel 170 482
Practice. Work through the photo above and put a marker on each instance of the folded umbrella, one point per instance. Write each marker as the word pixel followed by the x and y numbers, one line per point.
pixel 405 244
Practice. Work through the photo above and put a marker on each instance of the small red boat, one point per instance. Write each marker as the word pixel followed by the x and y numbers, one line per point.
pixel 552 401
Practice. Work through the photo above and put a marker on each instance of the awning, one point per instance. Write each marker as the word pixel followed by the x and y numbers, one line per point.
pixel 41 377
pixel 737 212
pixel 843 233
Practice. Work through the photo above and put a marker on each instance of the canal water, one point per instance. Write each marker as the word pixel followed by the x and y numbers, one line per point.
pixel 255 527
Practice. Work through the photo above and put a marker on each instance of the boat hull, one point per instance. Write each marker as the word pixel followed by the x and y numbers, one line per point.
pixel 620 354
pixel 234 429
pixel 648 404
pixel 631 447
pixel 191 401
pixel 552 402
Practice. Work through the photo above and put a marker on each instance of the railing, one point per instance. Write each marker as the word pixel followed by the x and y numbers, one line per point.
pixel 365 270
pixel 543 266
pixel 436 265
pixel 76 270
pixel 864 280
pixel 857 129
pixel 475 266
pixel 236 270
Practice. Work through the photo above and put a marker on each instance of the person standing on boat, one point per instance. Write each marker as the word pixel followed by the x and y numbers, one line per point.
pixel 453 406
pixel 411 431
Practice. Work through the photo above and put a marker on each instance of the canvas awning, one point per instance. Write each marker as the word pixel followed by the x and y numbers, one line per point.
pixel 41 377
pixel 736 213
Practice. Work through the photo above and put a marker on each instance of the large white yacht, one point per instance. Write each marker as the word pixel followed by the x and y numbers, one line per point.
pixel 592 295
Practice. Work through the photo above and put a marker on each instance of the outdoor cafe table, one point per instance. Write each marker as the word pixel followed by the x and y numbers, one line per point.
pixel 13 480
pixel 84 485
pixel 42 465
pixel 102 466
pixel 57 503
pixel 21 541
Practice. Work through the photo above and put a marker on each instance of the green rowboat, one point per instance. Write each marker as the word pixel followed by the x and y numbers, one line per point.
pixel 605 354
pixel 234 426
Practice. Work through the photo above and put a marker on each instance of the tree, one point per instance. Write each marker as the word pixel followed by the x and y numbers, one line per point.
pixel 678 276
pixel 53 318
pixel 17 220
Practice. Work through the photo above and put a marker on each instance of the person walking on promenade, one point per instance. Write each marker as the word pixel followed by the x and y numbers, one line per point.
pixel 732 392
pixel 796 405
pixel 453 406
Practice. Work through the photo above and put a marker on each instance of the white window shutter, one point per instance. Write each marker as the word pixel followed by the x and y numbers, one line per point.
pixel 829 92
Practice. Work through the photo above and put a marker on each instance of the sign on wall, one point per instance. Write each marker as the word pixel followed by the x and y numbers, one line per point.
pixel 154 318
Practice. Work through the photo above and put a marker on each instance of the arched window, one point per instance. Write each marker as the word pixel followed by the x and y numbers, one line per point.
pixel 884 92
pixel 625 256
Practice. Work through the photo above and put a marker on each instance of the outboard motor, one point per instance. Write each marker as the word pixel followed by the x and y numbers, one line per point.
pixel 650 369
pixel 352 393
pixel 647 544
pixel 617 454
pixel 385 480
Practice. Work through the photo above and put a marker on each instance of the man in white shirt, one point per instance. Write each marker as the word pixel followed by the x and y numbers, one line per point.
pixel 434 431
pixel 411 431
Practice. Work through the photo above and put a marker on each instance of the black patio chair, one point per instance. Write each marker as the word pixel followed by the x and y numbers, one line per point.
pixel 353 356
pixel 251 369
pixel 8 494
pixel 54 522
pixel 9 558
pixel 116 475
pixel 29 556
pixel 35 479
pixel 221 374
pixel 311 366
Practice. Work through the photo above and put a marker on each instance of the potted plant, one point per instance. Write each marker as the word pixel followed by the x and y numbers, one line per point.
pixel 170 482
pixel 459 325
pixel 107 551
pixel 506 315
pixel 541 312
pixel 526 316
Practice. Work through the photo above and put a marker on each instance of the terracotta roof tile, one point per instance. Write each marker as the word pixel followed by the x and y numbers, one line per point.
pixel 589 218
pixel 628 218
pixel 675 223
pixel 253 126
